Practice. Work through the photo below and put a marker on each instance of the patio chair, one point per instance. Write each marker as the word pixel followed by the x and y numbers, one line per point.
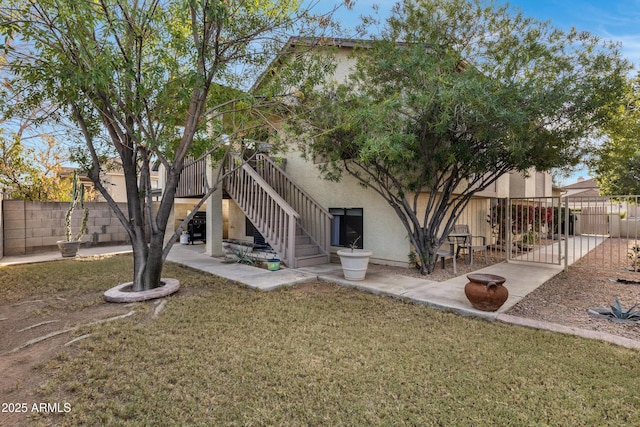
pixel 447 250
pixel 469 244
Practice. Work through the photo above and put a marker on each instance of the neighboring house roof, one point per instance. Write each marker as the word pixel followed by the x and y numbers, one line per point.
pixel 592 192
pixel 583 184
pixel 583 188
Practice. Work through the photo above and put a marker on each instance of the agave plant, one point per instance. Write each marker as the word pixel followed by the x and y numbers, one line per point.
pixel 616 311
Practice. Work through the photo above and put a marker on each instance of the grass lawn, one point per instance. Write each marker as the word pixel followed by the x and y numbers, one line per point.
pixel 317 354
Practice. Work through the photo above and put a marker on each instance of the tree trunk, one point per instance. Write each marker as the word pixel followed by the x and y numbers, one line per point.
pixel 147 263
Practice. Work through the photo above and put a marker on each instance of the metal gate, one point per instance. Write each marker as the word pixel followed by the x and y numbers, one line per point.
pixel 536 230
pixel 524 229
pixel 585 232
pixel 598 233
pixel 606 233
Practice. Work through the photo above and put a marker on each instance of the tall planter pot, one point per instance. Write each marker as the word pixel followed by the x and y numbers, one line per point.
pixel 354 263
pixel 68 249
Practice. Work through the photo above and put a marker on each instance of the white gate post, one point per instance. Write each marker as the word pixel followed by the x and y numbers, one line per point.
pixel 509 243
pixel 566 232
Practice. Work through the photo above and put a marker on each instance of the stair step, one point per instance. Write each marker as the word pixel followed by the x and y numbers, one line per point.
pixel 303 240
pixel 303 250
pixel 309 260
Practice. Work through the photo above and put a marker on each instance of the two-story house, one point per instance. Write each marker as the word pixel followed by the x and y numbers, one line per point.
pixel 305 218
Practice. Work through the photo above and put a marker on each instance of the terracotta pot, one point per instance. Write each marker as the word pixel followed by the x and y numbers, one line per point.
pixel 485 291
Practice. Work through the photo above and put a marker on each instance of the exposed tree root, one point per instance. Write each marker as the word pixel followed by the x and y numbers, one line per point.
pixel 37 324
pixel 159 308
pixel 81 337
pixel 27 302
pixel 64 331
pixel 37 340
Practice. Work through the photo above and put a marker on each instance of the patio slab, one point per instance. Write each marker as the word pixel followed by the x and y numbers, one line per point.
pixel 253 277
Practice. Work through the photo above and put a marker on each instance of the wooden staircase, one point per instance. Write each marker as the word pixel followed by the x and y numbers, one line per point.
pixel 295 225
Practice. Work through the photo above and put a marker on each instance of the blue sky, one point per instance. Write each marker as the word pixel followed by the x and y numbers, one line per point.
pixel 617 20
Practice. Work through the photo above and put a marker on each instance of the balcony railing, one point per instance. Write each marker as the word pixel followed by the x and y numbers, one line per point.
pixel 193 179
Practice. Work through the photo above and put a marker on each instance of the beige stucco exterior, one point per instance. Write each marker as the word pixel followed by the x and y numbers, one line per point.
pixel 114 183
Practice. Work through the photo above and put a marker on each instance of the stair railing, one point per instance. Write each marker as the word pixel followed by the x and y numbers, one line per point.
pixel 314 219
pixel 266 209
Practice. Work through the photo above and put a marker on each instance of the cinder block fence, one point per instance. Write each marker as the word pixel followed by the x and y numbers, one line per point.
pixel 31 227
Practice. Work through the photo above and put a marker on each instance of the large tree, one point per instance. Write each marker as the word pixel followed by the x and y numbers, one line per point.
pixel 28 170
pixel 136 78
pixel 451 95
pixel 30 174
pixel 616 161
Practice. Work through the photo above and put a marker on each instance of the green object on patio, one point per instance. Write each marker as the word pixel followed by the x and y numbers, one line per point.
pixel 273 264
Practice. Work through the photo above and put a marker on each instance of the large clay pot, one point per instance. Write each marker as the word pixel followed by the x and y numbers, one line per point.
pixel 354 263
pixel 485 291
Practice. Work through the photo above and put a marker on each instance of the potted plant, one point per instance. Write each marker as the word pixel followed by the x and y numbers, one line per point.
pixel 529 239
pixel 354 261
pixel 69 246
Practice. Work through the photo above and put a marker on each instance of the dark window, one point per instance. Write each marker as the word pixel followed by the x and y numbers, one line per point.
pixel 346 227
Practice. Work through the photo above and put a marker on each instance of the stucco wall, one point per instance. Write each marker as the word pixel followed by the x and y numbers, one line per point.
pixel 383 231
pixel 236 225
pixel 629 228
pixel 30 227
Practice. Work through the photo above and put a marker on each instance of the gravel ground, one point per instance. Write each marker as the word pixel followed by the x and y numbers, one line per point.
pixel 566 298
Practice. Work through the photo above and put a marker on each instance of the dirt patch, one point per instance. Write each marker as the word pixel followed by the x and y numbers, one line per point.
pixel 34 332
pixel 440 274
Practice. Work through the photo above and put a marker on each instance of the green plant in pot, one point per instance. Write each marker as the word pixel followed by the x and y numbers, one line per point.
pixel 69 247
pixel 354 261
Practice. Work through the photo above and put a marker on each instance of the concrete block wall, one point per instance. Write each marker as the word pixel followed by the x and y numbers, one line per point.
pixel 30 227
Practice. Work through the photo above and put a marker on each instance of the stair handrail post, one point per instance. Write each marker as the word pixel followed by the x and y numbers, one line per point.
pixel 327 232
pixel 291 239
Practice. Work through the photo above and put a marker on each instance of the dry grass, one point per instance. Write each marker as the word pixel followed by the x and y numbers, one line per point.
pixel 318 354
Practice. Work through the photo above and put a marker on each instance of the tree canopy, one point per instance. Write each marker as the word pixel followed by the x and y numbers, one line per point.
pixel 451 95
pixel 616 162
pixel 137 80
pixel 29 174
